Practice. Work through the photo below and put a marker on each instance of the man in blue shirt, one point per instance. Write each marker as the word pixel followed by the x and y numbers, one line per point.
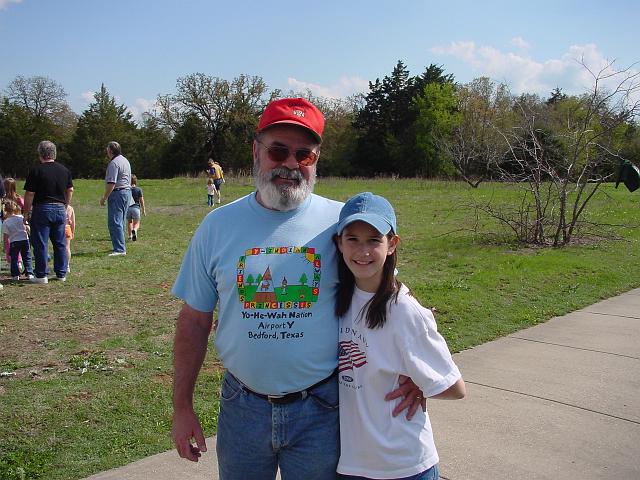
pixel 117 194
pixel 274 278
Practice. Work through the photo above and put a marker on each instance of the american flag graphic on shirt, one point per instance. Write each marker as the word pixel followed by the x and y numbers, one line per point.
pixel 350 356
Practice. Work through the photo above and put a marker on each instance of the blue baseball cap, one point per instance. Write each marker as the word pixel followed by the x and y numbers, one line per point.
pixel 372 209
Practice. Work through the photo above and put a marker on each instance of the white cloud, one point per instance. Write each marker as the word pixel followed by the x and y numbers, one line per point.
pixel 463 50
pixel 520 42
pixel 87 96
pixel 346 86
pixel 524 74
pixel 140 106
pixel 5 3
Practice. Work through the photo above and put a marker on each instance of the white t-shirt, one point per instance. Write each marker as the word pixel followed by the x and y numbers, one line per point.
pixel 374 443
pixel 14 228
pixel 275 274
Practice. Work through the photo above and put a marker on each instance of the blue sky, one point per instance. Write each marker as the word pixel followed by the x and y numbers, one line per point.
pixel 138 48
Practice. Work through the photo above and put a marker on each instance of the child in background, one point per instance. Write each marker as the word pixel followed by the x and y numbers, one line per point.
pixel 211 190
pixel 12 195
pixel 70 232
pixel 133 213
pixel 16 233
pixel 384 333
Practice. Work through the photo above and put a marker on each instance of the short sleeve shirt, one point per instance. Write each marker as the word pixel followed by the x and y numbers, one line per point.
pixel 374 443
pixel 136 194
pixel 14 228
pixel 274 275
pixel 119 172
pixel 49 181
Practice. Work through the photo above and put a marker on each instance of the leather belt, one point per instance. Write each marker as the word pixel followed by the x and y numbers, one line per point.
pixel 290 397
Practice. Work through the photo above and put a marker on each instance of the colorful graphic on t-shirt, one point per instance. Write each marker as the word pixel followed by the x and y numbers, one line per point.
pixel 350 356
pixel 278 278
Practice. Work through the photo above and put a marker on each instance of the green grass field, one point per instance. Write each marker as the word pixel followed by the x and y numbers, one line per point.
pixel 86 364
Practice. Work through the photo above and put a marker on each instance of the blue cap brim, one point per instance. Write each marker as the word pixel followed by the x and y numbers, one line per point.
pixel 377 222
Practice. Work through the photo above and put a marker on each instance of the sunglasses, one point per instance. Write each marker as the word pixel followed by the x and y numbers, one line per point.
pixel 280 153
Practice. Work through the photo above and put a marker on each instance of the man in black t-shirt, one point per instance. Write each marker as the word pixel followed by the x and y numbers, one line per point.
pixel 49 189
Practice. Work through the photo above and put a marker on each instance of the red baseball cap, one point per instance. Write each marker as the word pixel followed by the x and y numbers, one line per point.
pixel 295 111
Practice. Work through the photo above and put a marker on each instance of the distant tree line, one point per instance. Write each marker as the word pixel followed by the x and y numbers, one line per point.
pixel 426 125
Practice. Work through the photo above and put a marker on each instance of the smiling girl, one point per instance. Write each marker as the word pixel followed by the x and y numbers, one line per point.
pixel 384 333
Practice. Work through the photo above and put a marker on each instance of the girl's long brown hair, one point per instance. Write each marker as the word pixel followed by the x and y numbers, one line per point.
pixel 387 290
pixel 10 189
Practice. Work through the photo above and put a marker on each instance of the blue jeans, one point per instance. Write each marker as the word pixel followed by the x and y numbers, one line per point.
pixel 209 200
pixel 17 249
pixel 117 205
pixel 432 473
pixel 255 437
pixel 47 223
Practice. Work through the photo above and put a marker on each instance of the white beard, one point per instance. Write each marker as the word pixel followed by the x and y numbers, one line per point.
pixel 282 197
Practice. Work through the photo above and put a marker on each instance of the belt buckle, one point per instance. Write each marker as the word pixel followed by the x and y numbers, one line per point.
pixel 274 398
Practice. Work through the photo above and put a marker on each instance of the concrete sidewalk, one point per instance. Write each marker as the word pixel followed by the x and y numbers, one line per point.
pixel 556 401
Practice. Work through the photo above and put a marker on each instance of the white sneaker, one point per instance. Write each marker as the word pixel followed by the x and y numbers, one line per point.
pixel 39 280
pixel 62 279
pixel 29 277
pixel 116 254
pixel 17 277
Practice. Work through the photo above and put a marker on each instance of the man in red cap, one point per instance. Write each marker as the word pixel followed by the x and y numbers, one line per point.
pixel 275 276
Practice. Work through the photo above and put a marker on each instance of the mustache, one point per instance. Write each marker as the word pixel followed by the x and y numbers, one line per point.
pixel 283 172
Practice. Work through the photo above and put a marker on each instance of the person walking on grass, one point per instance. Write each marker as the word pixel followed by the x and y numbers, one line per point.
pixel 384 333
pixel 16 234
pixel 69 232
pixel 48 189
pixel 117 194
pixel 135 210
pixel 218 178
pixel 277 336
pixel 211 191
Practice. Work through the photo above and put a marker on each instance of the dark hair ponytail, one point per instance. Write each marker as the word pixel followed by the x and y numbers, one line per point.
pixel 376 307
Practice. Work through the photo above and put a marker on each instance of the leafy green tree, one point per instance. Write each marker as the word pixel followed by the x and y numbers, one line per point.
pixel 556 96
pixel 303 279
pixel 630 147
pixel 151 143
pixel 339 138
pixel 41 96
pixel 437 116
pixel 250 279
pixel 475 144
pixel 228 111
pixel 386 124
pixel 33 109
pixel 20 133
pixel 103 121
pixel 186 152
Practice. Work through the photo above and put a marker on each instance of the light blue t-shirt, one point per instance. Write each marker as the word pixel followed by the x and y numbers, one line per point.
pixel 119 172
pixel 276 277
